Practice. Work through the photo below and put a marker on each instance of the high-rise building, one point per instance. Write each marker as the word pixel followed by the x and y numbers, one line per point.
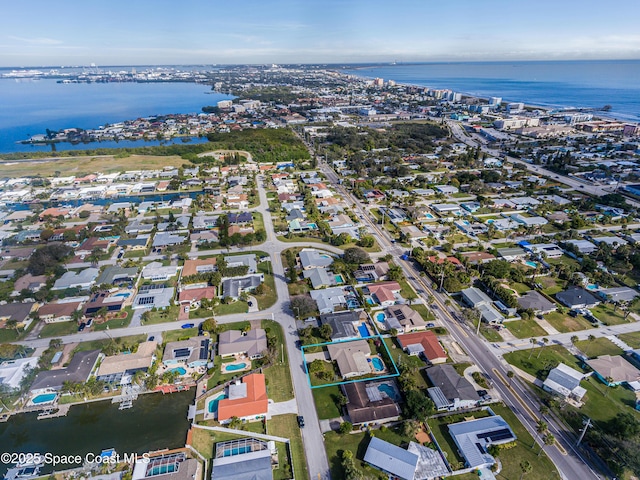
pixel 495 101
pixel 378 82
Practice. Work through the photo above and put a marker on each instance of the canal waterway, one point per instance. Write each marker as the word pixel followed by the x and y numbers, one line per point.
pixel 154 422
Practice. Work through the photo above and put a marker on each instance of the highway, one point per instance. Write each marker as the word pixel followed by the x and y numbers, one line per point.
pixel 518 397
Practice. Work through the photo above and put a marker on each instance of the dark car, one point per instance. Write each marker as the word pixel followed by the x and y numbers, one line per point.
pixel 82 327
pixel 300 421
pixel 431 325
pixel 250 303
pixel 151 338
pixel 187 325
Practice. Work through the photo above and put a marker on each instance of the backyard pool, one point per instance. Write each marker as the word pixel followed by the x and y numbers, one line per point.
pixel 370 301
pixel 44 398
pixel 380 317
pixel 363 330
pixel 212 406
pixel 389 391
pixel 180 370
pixel 339 279
pixel 378 366
pixel 124 295
pixel 531 264
pixel 592 286
pixel 429 216
pixel 235 367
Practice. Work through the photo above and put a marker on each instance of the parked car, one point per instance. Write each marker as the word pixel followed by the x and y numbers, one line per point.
pixel 431 325
pixel 82 326
pixel 187 325
pixel 300 421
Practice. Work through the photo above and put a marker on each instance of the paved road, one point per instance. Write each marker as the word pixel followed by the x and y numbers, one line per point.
pixel 571 466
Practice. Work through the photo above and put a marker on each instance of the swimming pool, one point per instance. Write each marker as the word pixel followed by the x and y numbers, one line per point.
pixel 44 398
pixel 592 286
pixel 125 295
pixel 179 370
pixel 363 330
pixel 370 301
pixel 235 366
pixel 380 317
pixel 378 366
pixel 236 451
pixel 389 391
pixel 161 469
pixel 428 215
pixel 339 279
pixel 531 264
pixel 212 407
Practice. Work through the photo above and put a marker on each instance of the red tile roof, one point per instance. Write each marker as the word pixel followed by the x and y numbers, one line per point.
pixel 254 404
pixel 432 348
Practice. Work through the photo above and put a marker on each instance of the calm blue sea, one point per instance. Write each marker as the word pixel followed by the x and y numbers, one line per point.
pixel 30 107
pixel 591 84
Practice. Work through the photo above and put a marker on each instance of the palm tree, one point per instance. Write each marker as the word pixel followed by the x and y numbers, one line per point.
pixel 532 341
pixel 544 342
pixel 544 410
pixel 542 426
pixel 591 338
pixel 510 375
pixel 574 339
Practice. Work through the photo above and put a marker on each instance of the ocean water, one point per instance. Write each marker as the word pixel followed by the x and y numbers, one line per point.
pixel 586 84
pixel 30 107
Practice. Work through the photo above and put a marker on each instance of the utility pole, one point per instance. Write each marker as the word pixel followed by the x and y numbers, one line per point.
pixel 441 277
pixel 584 430
pixel 479 322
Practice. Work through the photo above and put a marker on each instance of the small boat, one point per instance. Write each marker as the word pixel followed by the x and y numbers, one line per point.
pixel 24 470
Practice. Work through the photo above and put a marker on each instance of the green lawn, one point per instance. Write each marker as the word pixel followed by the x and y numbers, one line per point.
pixel 278 375
pixel 175 335
pixel 357 443
pixel 270 296
pixel 325 399
pixel 100 344
pixel 599 346
pixel 551 285
pixel 258 221
pixel 238 306
pixel 287 426
pixel 58 329
pixel 519 287
pixel 490 333
pixel 606 315
pixel 566 323
pixel 632 339
pixel 538 361
pixel 169 314
pixel 564 259
pixel 115 322
pixel 602 403
pixel 424 312
pixel 525 328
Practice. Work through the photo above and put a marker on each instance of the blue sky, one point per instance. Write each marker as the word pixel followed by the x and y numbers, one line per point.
pixel 117 32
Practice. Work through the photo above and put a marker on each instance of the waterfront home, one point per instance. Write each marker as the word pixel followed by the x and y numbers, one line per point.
pixel 243 459
pixel 118 369
pixel 194 352
pixel 78 371
pixel 234 342
pixel 246 401
pixel 13 371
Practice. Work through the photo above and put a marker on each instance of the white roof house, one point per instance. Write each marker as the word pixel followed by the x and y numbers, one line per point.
pixel 82 279
pixel 564 381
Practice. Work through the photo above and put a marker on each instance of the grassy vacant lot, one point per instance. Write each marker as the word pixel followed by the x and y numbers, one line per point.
pixel 239 306
pixel 525 328
pixel 490 333
pixel 565 323
pixel 278 375
pixel 521 288
pixel 599 346
pixel 79 166
pixel 325 399
pixel 551 285
pixel 100 344
pixel 175 335
pixel 169 314
pixel 606 315
pixel 357 443
pixel 287 426
pixel 58 329
pixel 270 296
pixel 424 312
pixel 602 403
pixel 632 339
pixel 537 361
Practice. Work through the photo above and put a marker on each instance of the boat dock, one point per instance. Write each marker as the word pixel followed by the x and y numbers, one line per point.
pixel 54 412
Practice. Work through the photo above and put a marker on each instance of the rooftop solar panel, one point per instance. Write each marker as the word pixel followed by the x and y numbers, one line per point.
pixel 181 353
